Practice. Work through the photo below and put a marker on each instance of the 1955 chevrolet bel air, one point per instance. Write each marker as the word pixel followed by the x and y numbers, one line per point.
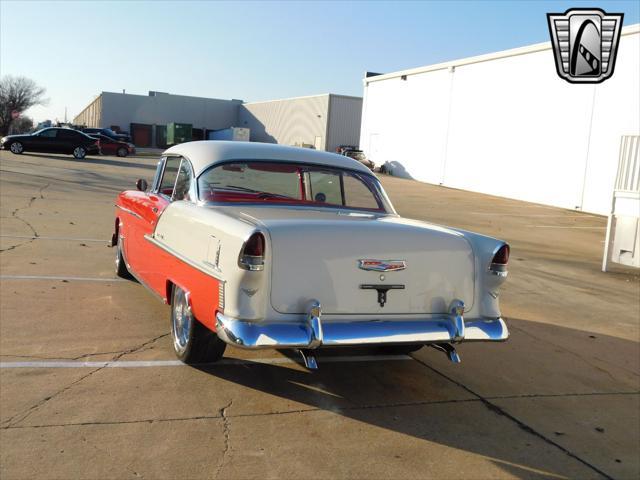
pixel 266 246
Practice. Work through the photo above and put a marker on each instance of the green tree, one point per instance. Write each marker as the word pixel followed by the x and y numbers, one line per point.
pixel 17 94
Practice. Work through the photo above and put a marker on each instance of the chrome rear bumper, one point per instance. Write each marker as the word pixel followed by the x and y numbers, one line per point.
pixel 314 332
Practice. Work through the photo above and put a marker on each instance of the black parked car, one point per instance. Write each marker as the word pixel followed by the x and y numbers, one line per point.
pixel 52 140
pixel 121 137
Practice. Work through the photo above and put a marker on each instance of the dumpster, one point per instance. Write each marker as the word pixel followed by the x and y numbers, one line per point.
pixel 178 133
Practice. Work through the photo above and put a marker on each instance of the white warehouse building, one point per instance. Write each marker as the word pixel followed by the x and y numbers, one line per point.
pixel 506 124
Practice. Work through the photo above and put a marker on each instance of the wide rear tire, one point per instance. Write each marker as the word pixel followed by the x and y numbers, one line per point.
pixel 192 342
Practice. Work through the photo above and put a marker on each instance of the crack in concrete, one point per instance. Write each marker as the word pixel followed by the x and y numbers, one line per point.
pixel 79 357
pixel 223 411
pixel 226 431
pixel 14 214
pixel 22 416
pixel 522 425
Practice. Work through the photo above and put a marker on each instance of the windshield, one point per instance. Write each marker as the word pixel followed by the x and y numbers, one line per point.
pixel 300 184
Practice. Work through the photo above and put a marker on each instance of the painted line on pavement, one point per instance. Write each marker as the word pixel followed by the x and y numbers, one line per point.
pixel 63 278
pixel 31 237
pixel 178 363
pixel 560 226
pixel 542 215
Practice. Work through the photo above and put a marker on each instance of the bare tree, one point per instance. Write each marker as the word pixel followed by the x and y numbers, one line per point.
pixel 22 124
pixel 17 94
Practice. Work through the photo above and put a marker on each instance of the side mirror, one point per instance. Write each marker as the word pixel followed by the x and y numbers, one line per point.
pixel 141 184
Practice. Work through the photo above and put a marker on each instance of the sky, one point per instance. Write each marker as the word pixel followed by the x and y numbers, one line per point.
pixel 252 50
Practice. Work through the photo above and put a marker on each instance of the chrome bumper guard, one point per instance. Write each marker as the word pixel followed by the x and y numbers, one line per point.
pixel 313 332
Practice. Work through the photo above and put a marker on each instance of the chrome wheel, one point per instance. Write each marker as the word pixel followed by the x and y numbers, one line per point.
pixel 79 152
pixel 121 265
pixel 182 321
pixel 16 147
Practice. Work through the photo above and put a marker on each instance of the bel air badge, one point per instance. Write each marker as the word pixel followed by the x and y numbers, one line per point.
pixel 381 265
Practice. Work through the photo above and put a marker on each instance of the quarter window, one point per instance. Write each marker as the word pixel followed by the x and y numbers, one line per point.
pixel 183 183
pixel 169 176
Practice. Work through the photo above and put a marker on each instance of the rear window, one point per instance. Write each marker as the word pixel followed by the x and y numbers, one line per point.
pixel 300 184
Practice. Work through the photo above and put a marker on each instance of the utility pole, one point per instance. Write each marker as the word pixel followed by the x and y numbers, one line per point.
pixel 65 114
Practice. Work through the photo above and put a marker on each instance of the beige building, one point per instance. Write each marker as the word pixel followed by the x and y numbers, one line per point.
pixel 322 121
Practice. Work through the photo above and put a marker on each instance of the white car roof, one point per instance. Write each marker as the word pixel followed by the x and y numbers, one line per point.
pixel 205 153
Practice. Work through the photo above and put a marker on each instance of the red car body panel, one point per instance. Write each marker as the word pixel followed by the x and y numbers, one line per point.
pixel 111 147
pixel 136 216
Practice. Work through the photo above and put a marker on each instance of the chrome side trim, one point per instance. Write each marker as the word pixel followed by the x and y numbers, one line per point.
pixel 301 334
pixel 182 258
pixel 126 210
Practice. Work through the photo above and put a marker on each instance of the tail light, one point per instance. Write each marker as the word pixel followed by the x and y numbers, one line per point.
pixel 500 260
pixel 252 254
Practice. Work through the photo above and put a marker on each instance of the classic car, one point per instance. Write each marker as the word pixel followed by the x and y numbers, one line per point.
pixel 267 246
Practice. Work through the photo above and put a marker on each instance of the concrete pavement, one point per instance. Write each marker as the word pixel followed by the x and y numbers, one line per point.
pixel 561 398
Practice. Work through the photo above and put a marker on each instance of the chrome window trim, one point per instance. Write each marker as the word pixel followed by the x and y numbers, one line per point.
pixel 158 175
pixel 191 190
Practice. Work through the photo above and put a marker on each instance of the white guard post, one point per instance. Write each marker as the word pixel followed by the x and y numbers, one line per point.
pixel 622 243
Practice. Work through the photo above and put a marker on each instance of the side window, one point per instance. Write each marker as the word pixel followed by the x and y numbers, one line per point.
pixel 358 195
pixel 325 187
pixel 169 176
pixel 49 133
pixel 67 134
pixel 181 190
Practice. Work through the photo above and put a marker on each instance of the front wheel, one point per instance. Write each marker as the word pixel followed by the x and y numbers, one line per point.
pixel 79 152
pixel 17 148
pixel 192 341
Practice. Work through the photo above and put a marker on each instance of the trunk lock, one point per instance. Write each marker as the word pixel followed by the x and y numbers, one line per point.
pixel 382 291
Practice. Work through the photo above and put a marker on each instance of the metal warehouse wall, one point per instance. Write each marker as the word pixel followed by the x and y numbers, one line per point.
pixel 345 116
pixel 91 115
pixel 291 121
pixel 161 109
pixel 507 125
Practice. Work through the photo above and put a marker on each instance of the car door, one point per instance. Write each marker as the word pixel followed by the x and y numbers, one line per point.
pixel 67 140
pixel 45 141
pixel 144 258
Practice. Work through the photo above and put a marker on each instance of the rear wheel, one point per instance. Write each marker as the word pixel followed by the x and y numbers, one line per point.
pixel 192 341
pixel 79 152
pixel 122 152
pixel 17 148
pixel 121 265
